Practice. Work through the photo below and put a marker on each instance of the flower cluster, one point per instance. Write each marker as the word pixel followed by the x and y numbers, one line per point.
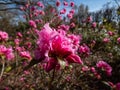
pixel 6 52
pixel 103 65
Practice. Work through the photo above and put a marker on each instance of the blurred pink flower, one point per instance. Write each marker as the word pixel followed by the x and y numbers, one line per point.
pixel 33 8
pixel 17 41
pixel 6 52
pixel 106 40
pixel 63 11
pixel 85 68
pixel 84 49
pixel 70 16
pixel 32 24
pixel 89 19
pixel 40 4
pixel 41 12
pixel 118 40
pixel 19 34
pixel 72 11
pixel 65 3
pixel 72 4
pixel 72 25
pixel 94 25
pixel 93 69
pixel 105 66
pixel 3 36
pixel 110 33
pixel 118 86
pixel 58 3
pixel 26 55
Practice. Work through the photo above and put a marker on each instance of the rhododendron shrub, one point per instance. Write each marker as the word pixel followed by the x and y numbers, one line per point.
pixel 54 52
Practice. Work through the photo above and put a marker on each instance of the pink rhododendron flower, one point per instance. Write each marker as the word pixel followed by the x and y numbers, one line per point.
pixel 6 52
pixel 17 41
pixel 63 11
pixel 93 69
pixel 19 34
pixel 110 33
pixel 32 24
pixel 118 40
pixel 58 3
pixel 41 12
pixel 55 49
pixel 94 25
pixel 40 4
pixel 84 49
pixel 118 86
pixel 65 3
pixel 26 55
pixel 72 11
pixel 72 4
pixel 28 44
pixel 27 5
pixel 85 68
pixel 9 53
pixel 3 36
pixel 70 16
pixel 105 66
pixel 106 40
pixel 72 25
pixel 33 8
pixel 89 19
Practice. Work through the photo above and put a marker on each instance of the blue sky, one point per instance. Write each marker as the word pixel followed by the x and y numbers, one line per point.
pixel 94 5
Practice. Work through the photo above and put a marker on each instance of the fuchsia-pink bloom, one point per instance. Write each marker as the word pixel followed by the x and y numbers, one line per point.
pixel 6 52
pixel 118 40
pixel 55 49
pixel 58 3
pixel 17 41
pixel 26 55
pixel 40 4
pixel 33 8
pixel 118 86
pixel 72 11
pixel 106 40
pixel 94 25
pixel 41 12
pixel 110 33
pixel 84 49
pixel 72 25
pixel 70 16
pixel 19 34
pixel 105 66
pixel 3 36
pixel 63 11
pixel 32 24
pixel 72 4
pixel 65 3
pixel 89 19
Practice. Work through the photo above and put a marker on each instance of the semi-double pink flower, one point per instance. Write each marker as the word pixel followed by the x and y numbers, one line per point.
pixel 55 49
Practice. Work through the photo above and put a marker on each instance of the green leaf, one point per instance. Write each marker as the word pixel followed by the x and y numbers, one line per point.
pixel 62 63
pixel 8 69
